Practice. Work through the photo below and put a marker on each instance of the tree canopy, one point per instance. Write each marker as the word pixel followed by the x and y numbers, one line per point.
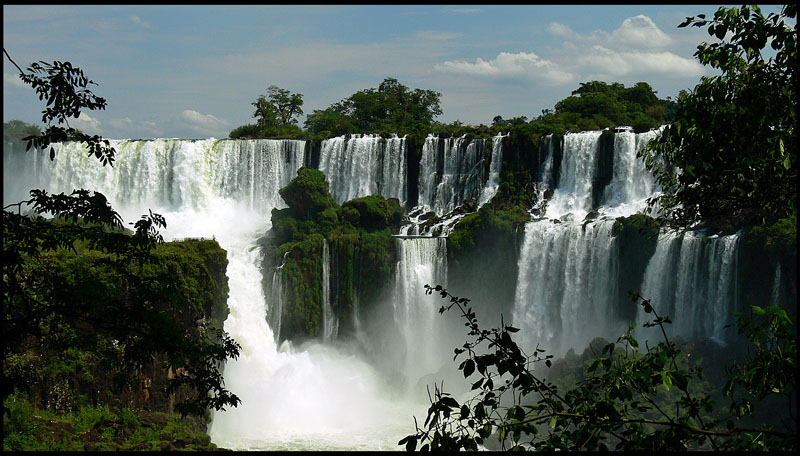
pixel 392 107
pixel 734 137
pixel 280 107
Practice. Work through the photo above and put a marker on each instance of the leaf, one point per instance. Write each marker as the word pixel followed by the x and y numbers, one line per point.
pixel 469 368
pixel 667 380
pixel 449 401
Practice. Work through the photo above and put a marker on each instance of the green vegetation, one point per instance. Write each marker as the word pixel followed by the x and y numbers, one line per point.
pixel 627 398
pixel 99 428
pixel 359 235
pixel 17 130
pixel 391 108
pixel 734 137
pixel 276 116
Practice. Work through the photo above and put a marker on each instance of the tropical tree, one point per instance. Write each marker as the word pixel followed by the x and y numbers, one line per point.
pixel 278 108
pixel 392 107
pixel 731 151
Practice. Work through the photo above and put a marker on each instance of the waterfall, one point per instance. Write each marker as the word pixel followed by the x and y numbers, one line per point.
pixel 421 261
pixel 632 183
pixel 330 321
pixel 567 285
pixel 365 165
pixel 574 191
pixel 448 180
pixel 568 273
pixel 277 298
pixel 316 397
pixel 776 286
pixel 693 281
pixel 451 173
pixel 495 167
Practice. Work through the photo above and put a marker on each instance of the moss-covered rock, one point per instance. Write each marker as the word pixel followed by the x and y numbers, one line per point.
pixel 374 212
pixel 308 193
pixel 482 254
pixel 763 248
pixel 359 238
pixel 637 236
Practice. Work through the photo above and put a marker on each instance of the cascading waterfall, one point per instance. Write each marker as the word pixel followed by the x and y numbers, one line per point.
pixel 632 183
pixel 566 286
pixel 365 165
pixel 693 281
pixel 776 287
pixel 330 321
pixel 451 173
pixel 495 167
pixel 574 192
pixel 447 181
pixel 421 261
pixel 316 398
pixel 277 298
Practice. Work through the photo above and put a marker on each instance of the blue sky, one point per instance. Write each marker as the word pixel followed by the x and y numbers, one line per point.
pixel 192 71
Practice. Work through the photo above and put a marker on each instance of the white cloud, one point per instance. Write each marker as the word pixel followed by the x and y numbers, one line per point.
pixel 637 49
pixel 121 123
pixel 14 81
pixel 86 124
pixel 140 22
pixel 561 30
pixel 465 10
pixel 521 65
pixel 639 32
pixel 603 62
pixel 205 124
pixel 437 36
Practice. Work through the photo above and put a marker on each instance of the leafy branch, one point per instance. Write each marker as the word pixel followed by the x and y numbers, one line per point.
pixel 622 403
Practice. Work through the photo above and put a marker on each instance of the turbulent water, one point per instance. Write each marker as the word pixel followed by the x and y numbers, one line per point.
pixel 314 397
pixel 567 284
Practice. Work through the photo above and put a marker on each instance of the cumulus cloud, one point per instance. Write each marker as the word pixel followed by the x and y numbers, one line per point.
pixel 521 65
pixel 86 124
pixel 561 30
pixel 604 62
pixel 639 32
pixel 205 124
pixel 638 48
pixel 140 22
